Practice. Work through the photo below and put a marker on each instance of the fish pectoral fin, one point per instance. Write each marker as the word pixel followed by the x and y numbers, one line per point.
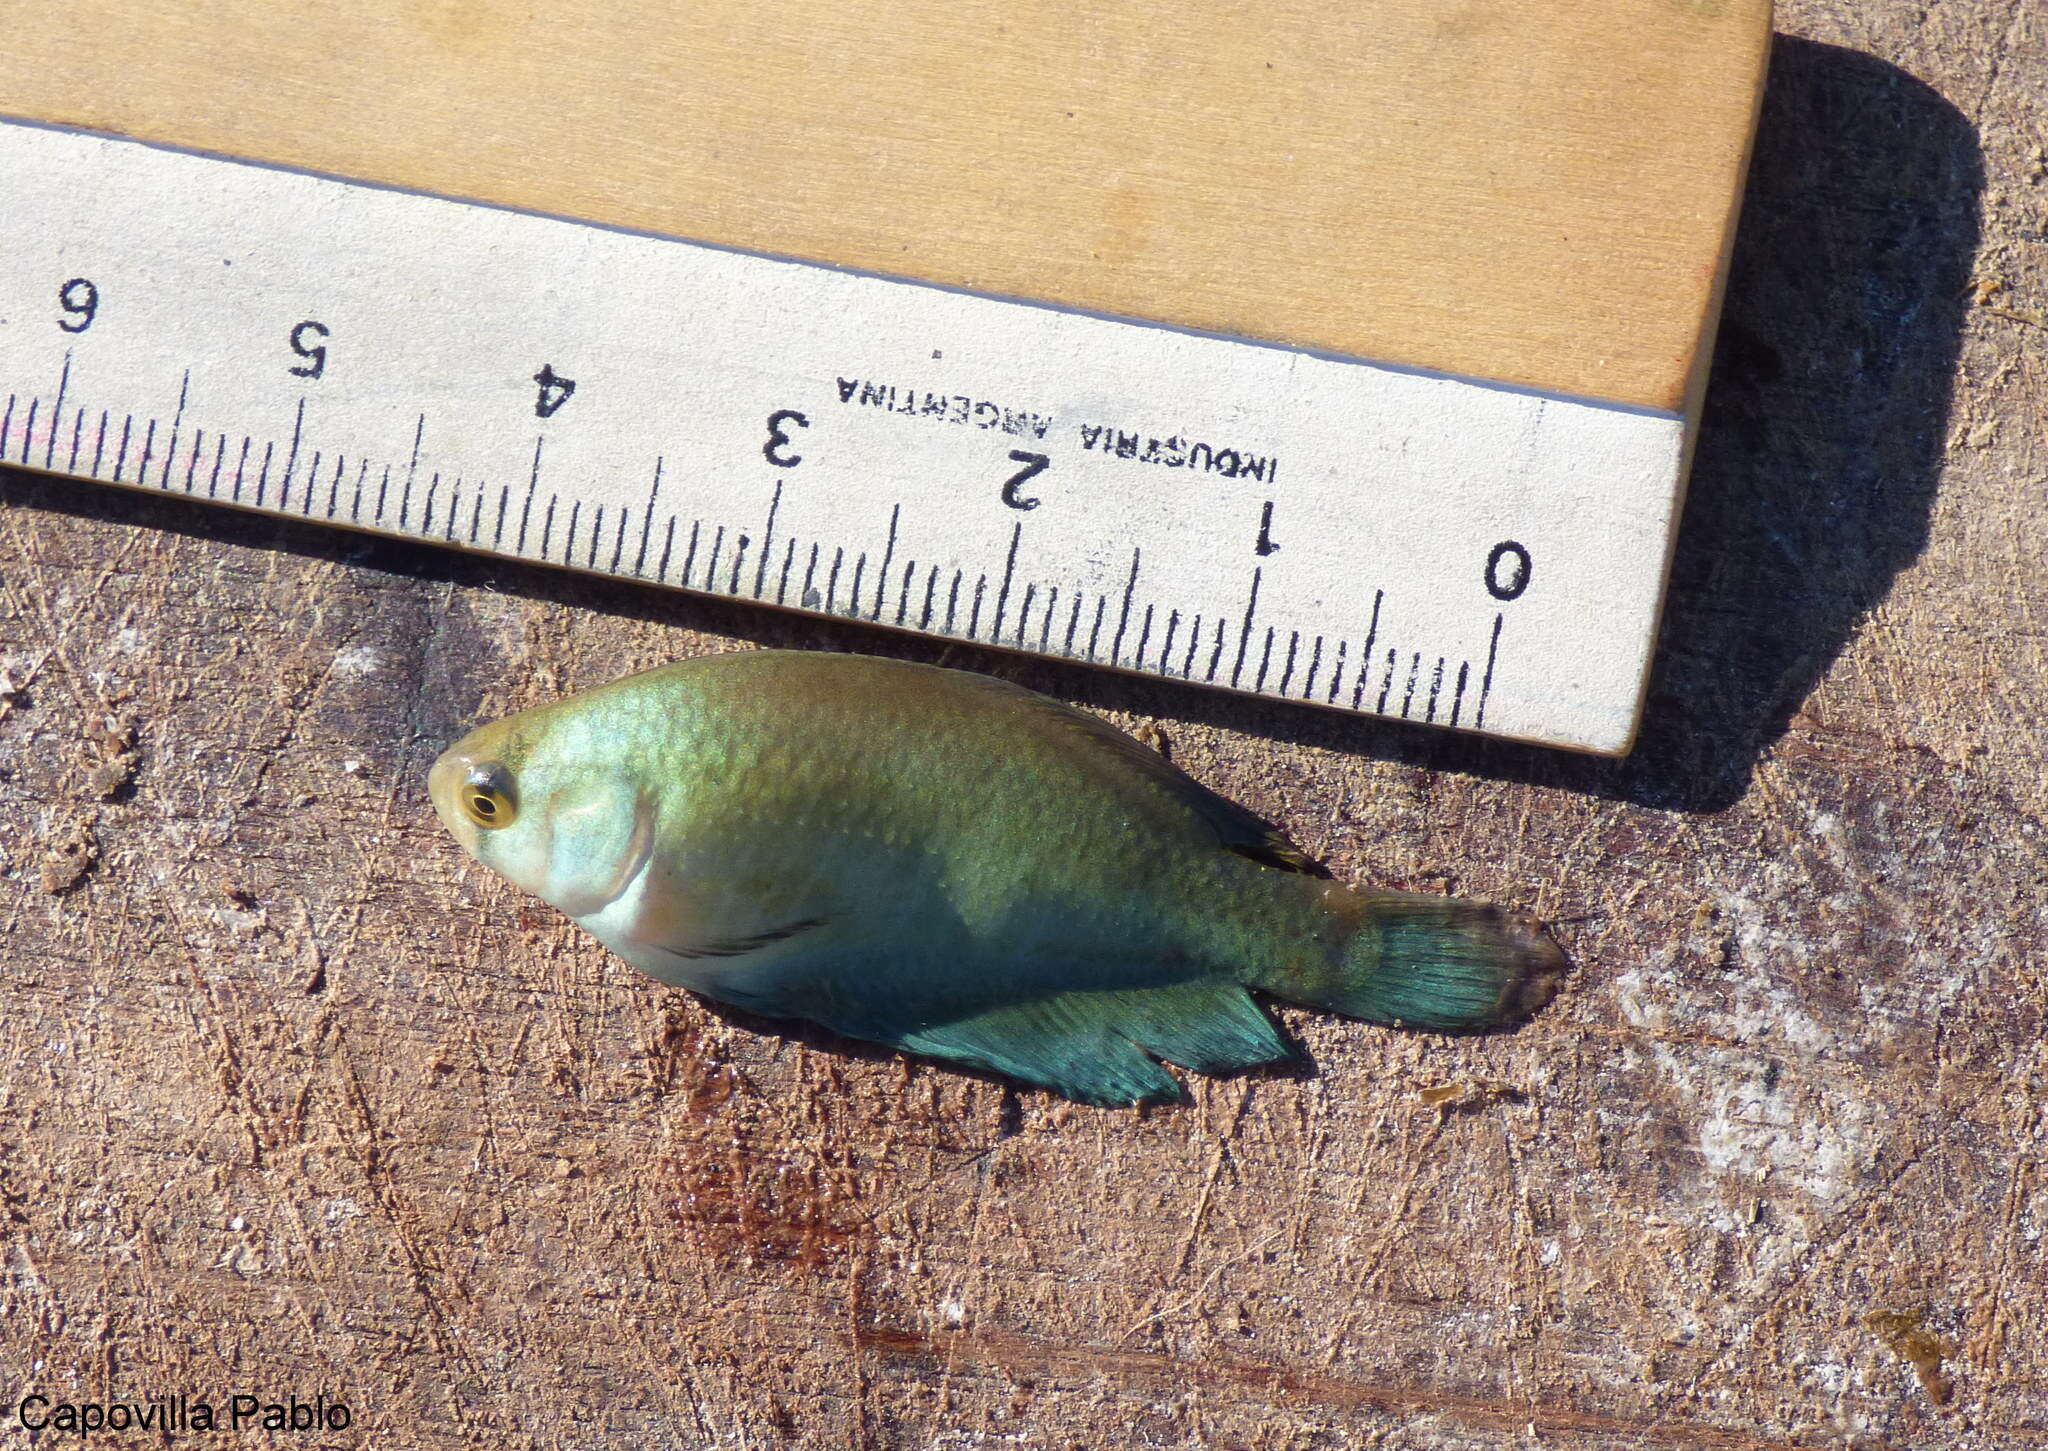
pixel 740 946
pixel 1099 1047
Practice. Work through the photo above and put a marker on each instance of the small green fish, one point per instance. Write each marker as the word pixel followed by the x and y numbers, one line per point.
pixel 954 866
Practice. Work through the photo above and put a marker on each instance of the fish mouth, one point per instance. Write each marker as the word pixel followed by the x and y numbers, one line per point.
pixel 442 778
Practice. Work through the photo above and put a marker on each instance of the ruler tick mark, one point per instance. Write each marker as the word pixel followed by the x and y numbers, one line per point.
pixel 121 459
pixel 1386 683
pixel 668 544
pixel 284 489
pixel 1244 638
pixel 1486 682
pixel 888 555
pixel 739 558
pixel 1372 633
pixel 690 556
pixel 1003 594
pixel 57 415
pixel 1458 699
pixel 526 505
pixel 788 558
pixel 177 419
pixel 1123 618
pixel 647 519
pixel 412 468
pixel 1436 686
pixel 1315 663
pixel 711 564
pixel 263 472
pixel 1408 695
pixel 1337 672
pixel 28 430
pixel 767 542
pixel 355 508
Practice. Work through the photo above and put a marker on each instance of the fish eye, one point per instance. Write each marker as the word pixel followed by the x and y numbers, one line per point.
pixel 487 796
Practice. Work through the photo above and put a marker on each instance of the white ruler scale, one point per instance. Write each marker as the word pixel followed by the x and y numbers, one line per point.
pixel 1231 513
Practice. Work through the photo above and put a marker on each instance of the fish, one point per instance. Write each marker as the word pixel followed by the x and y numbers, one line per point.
pixel 957 867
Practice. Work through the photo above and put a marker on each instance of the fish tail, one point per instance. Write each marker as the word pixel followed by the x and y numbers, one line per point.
pixel 1418 961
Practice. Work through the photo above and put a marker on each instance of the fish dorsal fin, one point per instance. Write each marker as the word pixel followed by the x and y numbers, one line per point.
pixel 1237 829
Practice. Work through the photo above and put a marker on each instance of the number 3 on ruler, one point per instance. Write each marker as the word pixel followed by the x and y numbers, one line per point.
pixel 775 450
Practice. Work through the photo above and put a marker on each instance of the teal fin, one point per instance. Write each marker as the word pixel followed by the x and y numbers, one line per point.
pixel 1098 1047
pixel 1421 961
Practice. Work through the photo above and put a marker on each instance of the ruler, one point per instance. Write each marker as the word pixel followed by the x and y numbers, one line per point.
pixel 1252 517
pixel 1345 361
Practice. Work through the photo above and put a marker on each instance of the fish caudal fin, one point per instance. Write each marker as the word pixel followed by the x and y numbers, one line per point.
pixel 1420 961
pixel 1099 1047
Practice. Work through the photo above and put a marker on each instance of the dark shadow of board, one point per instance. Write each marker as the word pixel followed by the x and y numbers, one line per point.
pixel 1815 475
pixel 1821 443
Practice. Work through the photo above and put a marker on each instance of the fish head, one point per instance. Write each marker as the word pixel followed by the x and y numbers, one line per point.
pixel 551 810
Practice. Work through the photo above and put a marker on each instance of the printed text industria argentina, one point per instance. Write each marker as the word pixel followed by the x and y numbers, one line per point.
pixel 1175 452
pixel 181 1413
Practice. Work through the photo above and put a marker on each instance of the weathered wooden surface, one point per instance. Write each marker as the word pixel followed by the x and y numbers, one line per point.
pixel 1493 188
pixel 293 1099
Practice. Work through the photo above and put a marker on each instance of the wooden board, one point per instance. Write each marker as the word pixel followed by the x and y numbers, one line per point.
pixel 1536 194
pixel 292 1098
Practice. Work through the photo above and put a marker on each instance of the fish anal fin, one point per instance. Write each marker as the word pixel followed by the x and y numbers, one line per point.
pixel 1210 1027
pixel 1099 1047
